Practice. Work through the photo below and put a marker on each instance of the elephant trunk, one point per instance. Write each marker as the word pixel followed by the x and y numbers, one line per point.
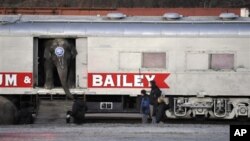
pixel 63 75
pixel 61 62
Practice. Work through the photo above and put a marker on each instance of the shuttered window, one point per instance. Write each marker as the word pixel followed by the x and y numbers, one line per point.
pixel 222 61
pixel 154 60
pixel 197 61
pixel 130 60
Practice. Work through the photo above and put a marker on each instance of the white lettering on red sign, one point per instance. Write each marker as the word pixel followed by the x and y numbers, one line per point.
pixel 138 81
pixel 125 80
pixel 97 80
pixel 109 81
pixel 10 80
pixel 150 78
pixel 15 79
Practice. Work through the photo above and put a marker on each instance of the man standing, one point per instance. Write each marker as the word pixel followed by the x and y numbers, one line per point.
pixel 78 110
pixel 155 93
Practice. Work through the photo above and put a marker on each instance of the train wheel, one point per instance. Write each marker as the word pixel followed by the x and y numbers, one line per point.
pixel 8 111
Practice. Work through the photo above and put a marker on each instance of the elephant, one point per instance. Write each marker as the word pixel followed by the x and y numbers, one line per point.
pixel 59 54
pixel 8 111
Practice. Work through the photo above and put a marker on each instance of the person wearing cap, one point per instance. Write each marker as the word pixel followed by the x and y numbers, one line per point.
pixel 144 108
pixel 155 93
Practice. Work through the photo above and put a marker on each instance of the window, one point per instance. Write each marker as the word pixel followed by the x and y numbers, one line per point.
pixel 221 61
pixel 130 60
pixel 197 61
pixel 206 61
pixel 154 60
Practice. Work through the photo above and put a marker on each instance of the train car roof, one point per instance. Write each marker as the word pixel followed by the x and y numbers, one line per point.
pixel 41 25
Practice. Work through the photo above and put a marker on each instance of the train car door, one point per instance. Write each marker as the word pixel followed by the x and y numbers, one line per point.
pixel 81 63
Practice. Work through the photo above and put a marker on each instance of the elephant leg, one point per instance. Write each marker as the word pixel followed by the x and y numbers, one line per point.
pixel 49 78
pixel 8 111
pixel 63 75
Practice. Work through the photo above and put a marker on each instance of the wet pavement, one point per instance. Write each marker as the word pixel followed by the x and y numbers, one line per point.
pixel 115 132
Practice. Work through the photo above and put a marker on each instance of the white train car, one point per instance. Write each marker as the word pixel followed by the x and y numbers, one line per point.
pixel 201 64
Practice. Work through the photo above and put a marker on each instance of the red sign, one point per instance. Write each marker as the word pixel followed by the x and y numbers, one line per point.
pixel 15 79
pixel 126 80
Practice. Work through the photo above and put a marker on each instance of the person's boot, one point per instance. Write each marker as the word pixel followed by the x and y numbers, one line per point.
pixel 153 120
pixel 144 119
pixel 68 117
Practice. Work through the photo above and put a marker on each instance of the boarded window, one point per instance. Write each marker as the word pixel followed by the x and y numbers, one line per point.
pixel 222 61
pixel 154 60
pixel 130 60
pixel 197 61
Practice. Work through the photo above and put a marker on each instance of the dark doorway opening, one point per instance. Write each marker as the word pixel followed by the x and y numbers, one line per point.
pixel 40 71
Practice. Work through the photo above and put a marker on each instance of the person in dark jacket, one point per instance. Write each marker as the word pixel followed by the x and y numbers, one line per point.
pixel 79 109
pixel 155 93
pixel 25 114
pixel 161 108
pixel 144 108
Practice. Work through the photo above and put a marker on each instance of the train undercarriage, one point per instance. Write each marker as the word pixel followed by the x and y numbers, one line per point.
pixel 208 107
pixel 180 107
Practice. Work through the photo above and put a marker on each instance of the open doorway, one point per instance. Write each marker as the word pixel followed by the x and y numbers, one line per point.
pixel 39 63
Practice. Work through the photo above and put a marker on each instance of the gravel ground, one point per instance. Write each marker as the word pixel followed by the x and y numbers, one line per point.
pixel 114 132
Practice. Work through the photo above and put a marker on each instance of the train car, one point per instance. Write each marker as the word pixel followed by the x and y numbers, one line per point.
pixel 201 64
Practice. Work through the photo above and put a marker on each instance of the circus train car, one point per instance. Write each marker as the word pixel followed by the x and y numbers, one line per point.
pixel 201 64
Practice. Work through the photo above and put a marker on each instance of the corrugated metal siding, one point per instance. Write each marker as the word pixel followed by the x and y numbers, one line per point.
pixel 128 29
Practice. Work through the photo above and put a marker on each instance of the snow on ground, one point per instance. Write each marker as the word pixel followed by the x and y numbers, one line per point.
pixel 110 132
